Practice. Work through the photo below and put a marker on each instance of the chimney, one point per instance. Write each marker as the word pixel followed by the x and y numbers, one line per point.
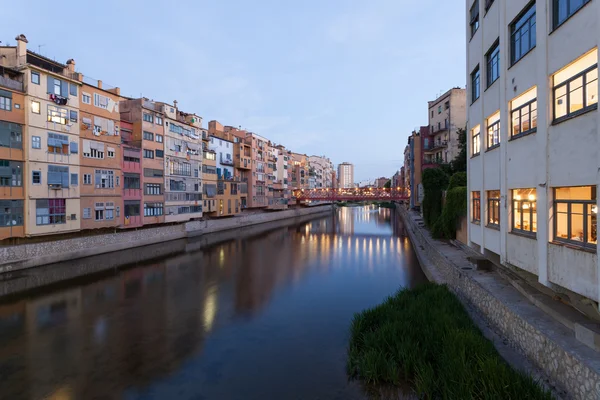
pixel 99 84
pixel 21 49
pixel 71 65
pixel 175 104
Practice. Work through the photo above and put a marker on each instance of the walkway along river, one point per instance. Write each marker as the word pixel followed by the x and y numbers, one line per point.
pixel 262 317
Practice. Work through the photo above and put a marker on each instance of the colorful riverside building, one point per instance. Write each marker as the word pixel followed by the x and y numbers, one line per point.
pixel 228 190
pixel 183 164
pixel 146 119
pixel 209 176
pixel 50 141
pixel 13 179
pixel 100 155
pixel 132 181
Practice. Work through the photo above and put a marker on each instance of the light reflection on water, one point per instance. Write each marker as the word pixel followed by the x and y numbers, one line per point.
pixel 252 318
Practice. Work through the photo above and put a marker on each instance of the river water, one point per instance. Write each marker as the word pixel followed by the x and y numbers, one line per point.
pixel 262 317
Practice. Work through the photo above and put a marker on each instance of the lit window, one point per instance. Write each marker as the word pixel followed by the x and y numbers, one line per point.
pixel 493 131
pixel 524 212
pixel 493 209
pixel 475 141
pixel 576 87
pixel 58 115
pixel 35 107
pixel 476 203
pixel 524 114
pixel 575 215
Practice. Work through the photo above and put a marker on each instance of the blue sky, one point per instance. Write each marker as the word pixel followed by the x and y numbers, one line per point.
pixel 349 79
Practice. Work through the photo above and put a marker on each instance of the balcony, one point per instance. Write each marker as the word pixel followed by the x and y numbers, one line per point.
pixel 433 147
pixel 11 84
pixel 226 160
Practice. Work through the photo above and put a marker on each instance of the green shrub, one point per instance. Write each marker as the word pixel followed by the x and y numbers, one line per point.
pixel 424 337
pixel 458 179
pixel 434 182
pixel 454 208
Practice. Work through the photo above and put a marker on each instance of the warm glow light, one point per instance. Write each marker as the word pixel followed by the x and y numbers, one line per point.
pixel 210 308
pixel 518 197
pixel 525 206
pixel 532 197
pixel 595 209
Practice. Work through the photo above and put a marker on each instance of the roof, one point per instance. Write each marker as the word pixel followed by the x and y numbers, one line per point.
pixel 46 59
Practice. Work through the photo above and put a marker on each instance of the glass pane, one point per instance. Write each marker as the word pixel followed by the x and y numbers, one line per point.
pixel 561 226
pixel 591 87
pixel 518 215
pixel 516 123
pixel 577 208
pixel 592 232
pixel 526 216
pixel 562 207
pixel 560 102
pixel 525 119
pixel 534 219
pixel 534 115
pixel 577 227
pixel 576 95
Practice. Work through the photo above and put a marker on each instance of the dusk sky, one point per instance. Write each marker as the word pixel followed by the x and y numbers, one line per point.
pixel 348 79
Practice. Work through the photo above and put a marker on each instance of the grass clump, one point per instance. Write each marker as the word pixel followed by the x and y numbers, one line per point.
pixel 424 337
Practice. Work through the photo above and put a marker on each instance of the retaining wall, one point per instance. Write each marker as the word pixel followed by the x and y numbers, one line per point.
pixel 572 366
pixel 14 258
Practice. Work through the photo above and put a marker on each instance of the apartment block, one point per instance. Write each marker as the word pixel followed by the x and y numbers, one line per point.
pixel 320 172
pixel 346 175
pixel 300 171
pixel 281 189
pixel 100 155
pixel 258 191
pixel 227 182
pixel 183 163
pixel 209 178
pixel 12 154
pixel 132 181
pixel 447 114
pixel 51 142
pixel 145 146
pixel 532 72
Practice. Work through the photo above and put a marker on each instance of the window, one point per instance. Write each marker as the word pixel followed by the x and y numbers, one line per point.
pixel 153 173
pixel 476 203
pixel 87 213
pixel 118 180
pixel 11 212
pixel 148 153
pixel 131 181
pixel 131 208
pixel 148 118
pixel 50 211
pixel 177 185
pixel 522 34
pixel 58 176
pixel 159 138
pixel 159 121
pixel 475 141
pixel 57 86
pixel 563 9
pixel 488 4
pixel 35 78
pixel 148 136
pixel 74 179
pixel 153 209
pixel 101 101
pixel 87 179
pixel 104 179
pixel 475 84
pixel 35 107
pixel 177 168
pixel 493 131
pixel 576 215
pixel 439 109
pixel 118 211
pixel 5 100
pixel 73 116
pixel 93 149
pixel 74 147
pixel 58 115
pixel 86 99
pixel 109 213
pixel 576 87
pixel 11 173
pixel 110 152
pixel 57 143
pixel 524 213
pixel 72 89
pixel 493 64
pixel 474 22
pixel 131 158
pixel 159 153
pixel 99 214
pixel 36 177
pixel 153 189
pixel 524 114
pixel 493 213
pixel 36 142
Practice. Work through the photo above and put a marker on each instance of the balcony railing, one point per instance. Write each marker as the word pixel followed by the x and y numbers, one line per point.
pixel 11 83
pixel 226 161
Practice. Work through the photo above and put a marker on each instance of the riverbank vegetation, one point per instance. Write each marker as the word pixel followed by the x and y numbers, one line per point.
pixel 424 337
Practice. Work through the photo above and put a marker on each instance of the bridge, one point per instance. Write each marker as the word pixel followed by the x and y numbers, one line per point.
pixel 370 194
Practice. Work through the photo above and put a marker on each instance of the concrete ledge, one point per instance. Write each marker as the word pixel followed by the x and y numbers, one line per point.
pixel 570 365
pixel 16 258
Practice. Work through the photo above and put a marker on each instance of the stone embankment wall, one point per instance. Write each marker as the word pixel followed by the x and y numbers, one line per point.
pixel 14 258
pixel 572 366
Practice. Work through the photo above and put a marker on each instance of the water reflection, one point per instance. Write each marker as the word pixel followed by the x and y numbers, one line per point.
pixel 257 317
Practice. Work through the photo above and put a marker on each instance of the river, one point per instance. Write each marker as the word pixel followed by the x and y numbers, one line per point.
pixel 257 317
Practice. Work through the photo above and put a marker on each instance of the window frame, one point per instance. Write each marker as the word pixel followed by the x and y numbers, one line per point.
pixel 147 117
pixel 159 138
pixel 149 154
pixel 476 207
pixel 489 133
pixel 34 174
pixel 39 107
pixel 532 34
pixel 84 96
pixel 5 103
pixel 478 137
pixel 53 218
pixel 148 136
pixel 567 83
pixel 35 73
pixel 492 54
pixel 587 204
pixel 518 204
pixel 475 87
pixel 555 23
pixel 474 18
pixel 36 140
pixel 489 201
pixel 519 110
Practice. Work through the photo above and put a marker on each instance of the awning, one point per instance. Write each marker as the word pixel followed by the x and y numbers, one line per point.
pixel 210 190
pixel 97 145
pixel 192 146
pixel 86 146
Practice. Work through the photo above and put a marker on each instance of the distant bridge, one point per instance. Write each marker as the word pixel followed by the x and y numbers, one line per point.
pixel 378 194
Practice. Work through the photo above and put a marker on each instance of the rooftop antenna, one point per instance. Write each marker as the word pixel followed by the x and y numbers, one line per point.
pixel 40 48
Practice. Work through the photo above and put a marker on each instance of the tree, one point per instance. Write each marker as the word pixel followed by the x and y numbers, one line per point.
pixel 388 184
pixel 435 181
pixel 459 164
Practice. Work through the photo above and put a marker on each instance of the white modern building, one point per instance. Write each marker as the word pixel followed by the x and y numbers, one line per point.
pixel 346 175
pixel 532 73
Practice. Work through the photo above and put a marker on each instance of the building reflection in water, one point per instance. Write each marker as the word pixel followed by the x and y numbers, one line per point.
pixel 124 332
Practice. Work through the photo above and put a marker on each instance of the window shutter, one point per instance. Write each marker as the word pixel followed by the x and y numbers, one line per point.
pixel 72 89
pixel 64 88
pixel 65 179
pixel 50 85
